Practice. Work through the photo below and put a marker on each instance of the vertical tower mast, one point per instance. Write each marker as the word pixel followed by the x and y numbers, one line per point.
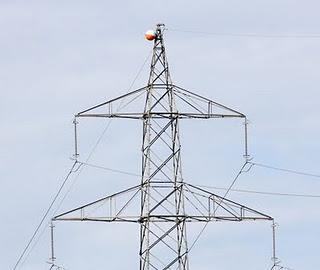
pixel 162 204
pixel 161 134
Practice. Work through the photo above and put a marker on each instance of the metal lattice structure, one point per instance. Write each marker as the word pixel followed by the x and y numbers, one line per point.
pixel 163 203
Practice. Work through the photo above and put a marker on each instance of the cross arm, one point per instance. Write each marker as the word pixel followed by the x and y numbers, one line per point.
pixel 207 206
pixel 202 107
pixel 113 208
pixel 107 108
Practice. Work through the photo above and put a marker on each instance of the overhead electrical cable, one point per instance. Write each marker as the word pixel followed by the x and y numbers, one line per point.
pixel 303 195
pixel 249 35
pixel 265 192
pixel 284 170
pixel 45 215
pixel 109 169
pixel 34 244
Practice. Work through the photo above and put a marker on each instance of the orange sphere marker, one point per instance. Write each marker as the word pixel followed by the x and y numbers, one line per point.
pixel 150 35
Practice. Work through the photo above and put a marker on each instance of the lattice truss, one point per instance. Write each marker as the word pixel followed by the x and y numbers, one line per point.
pixel 163 204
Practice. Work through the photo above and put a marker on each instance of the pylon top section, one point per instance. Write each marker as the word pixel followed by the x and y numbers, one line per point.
pixel 159 70
pixel 182 103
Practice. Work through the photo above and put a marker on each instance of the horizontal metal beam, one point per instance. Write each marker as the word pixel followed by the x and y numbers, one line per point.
pixel 167 218
pixel 161 115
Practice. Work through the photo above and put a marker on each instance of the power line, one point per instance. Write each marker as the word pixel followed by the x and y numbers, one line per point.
pixel 212 187
pixel 45 215
pixel 250 35
pixel 109 169
pixel 266 192
pixel 285 170
pixel 234 180
pixel 35 242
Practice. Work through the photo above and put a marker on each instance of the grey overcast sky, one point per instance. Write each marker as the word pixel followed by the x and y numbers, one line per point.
pixel 58 57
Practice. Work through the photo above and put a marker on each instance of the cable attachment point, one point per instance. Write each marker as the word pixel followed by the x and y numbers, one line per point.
pixel 248 166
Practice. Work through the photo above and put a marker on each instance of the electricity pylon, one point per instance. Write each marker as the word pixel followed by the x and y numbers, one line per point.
pixel 163 203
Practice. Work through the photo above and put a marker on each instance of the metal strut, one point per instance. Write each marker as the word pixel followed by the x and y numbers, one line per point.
pixel 246 151
pixel 52 259
pixel 76 154
pixel 275 259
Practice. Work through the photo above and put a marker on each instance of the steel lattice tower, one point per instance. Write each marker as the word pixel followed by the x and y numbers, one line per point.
pixel 163 204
